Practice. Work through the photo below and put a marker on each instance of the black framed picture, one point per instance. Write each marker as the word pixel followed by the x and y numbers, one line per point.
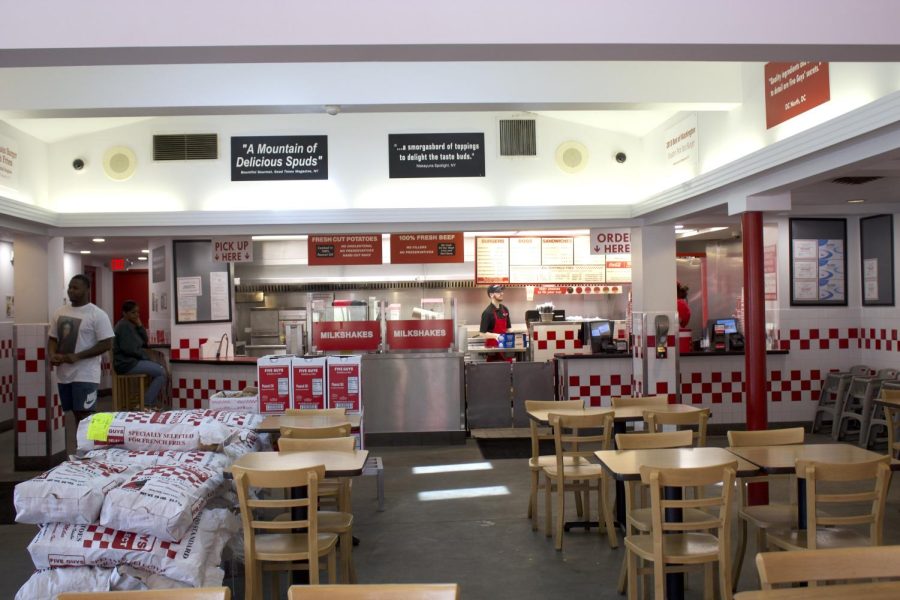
pixel 818 262
pixel 876 239
pixel 202 285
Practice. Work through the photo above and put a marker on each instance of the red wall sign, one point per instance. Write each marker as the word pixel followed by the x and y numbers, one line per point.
pixel 409 248
pixel 350 249
pixel 347 335
pixel 792 88
pixel 416 334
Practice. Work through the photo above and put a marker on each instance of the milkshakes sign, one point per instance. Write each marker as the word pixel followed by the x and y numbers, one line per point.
pixel 417 334
pixel 346 335
pixel 279 157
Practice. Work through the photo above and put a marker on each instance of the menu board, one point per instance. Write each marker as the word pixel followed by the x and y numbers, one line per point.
pixel 546 261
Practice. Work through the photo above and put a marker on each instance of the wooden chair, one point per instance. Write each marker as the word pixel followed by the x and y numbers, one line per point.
pixel 296 539
pixel 846 564
pixel 637 515
pixel 762 516
pixel 306 433
pixel 220 593
pixel 328 412
pixel 376 591
pixel 892 417
pixel 673 542
pixel 648 401
pixel 537 462
pixel 656 420
pixel 830 529
pixel 340 521
pixel 575 439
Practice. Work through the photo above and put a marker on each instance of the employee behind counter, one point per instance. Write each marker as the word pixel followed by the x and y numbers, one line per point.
pixel 495 321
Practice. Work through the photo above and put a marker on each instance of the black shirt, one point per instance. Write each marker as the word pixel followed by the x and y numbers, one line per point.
pixel 490 315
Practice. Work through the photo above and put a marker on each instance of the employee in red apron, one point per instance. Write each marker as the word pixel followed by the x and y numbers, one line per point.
pixel 495 321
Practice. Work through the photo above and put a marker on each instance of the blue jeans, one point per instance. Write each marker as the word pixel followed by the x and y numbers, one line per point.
pixel 157 379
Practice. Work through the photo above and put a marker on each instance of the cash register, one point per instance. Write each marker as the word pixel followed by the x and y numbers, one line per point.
pixel 724 335
pixel 599 334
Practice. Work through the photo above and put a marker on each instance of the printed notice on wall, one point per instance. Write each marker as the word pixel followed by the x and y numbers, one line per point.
pixel 770 271
pixel 189 286
pixel 413 155
pixel 870 278
pixel 187 308
pixel 792 88
pixel 218 296
pixel 682 149
pixel 279 157
pixel 9 159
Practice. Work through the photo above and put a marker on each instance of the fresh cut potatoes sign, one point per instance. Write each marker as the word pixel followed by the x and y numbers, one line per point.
pixel 232 249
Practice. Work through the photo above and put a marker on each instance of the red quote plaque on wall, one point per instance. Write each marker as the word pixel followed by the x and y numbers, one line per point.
pixel 415 334
pixel 408 248
pixel 792 88
pixel 345 249
pixel 347 335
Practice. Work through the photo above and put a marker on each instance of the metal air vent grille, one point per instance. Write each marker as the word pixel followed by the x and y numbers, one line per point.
pixel 188 146
pixel 855 180
pixel 518 137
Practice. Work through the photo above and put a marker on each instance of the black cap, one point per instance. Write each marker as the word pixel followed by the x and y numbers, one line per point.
pixel 494 289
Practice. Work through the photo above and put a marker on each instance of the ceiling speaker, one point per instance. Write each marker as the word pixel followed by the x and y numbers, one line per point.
pixel 119 163
pixel 571 157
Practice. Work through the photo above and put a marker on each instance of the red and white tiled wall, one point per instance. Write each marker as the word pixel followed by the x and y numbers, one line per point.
pixel 39 418
pixel 193 384
pixel 187 348
pixel 556 338
pixel 7 373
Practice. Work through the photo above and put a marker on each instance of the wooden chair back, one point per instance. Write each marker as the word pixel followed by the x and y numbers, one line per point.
pixel 665 439
pixel 858 507
pixel 828 564
pixel 338 444
pixel 254 511
pixel 766 437
pixel 219 593
pixel 578 436
pixel 376 591
pixel 655 421
pixel 536 433
pixel 891 416
pixel 342 430
pixel 648 401
pixel 327 412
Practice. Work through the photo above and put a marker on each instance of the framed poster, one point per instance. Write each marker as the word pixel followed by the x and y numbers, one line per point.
pixel 876 240
pixel 202 285
pixel 818 261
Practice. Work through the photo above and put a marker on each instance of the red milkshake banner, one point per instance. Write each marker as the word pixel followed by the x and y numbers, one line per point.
pixel 416 334
pixel 347 335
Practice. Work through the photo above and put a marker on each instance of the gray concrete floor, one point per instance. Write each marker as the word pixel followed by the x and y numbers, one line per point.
pixel 485 544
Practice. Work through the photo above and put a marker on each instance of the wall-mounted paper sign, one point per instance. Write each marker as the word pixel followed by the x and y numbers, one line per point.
pixel 870 268
pixel 414 155
pixel 9 160
pixel 232 249
pixel 189 286
pixel 279 157
pixel 187 308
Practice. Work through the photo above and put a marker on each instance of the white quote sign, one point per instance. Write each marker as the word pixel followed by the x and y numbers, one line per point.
pixel 9 160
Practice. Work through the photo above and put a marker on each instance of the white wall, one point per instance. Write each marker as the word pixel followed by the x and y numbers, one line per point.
pixel 7 280
pixel 31 184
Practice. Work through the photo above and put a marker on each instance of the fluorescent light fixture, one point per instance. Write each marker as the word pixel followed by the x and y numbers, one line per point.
pixel 684 233
pixel 480 466
pixel 277 238
pixel 479 492
pixel 145 251
pixel 678 226
pixel 85 251
pixel 551 233
pixel 99 240
pixel 142 258
pixel 856 201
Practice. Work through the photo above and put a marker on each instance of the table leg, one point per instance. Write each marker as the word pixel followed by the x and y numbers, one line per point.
pixel 674 581
pixel 801 503
pixel 619 427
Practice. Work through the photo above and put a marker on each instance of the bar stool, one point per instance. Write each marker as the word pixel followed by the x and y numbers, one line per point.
pixel 128 391
pixel 859 402
pixel 878 415
pixel 833 389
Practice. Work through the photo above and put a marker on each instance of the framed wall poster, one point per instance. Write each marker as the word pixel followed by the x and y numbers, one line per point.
pixel 876 240
pixel 202 285
pixel 818 262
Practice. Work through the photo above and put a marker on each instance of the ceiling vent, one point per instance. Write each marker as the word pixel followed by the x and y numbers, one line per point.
pixel 517 137
pixel 186 146
pixel 855 180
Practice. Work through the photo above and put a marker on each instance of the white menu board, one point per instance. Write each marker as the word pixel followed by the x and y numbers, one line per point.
pixel 583 254
pixel 492 260
pixel 525 251
pixel 557 251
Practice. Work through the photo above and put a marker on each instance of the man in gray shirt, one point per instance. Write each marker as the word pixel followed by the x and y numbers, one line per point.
pixel 129 356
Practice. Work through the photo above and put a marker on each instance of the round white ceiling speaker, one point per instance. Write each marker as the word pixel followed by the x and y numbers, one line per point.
pixel 571 156
pixel 119 163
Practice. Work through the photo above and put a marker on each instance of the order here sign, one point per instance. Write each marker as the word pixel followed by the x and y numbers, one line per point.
pixel 232 249
pixel 611 241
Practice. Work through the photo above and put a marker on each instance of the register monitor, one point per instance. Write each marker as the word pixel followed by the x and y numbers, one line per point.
pixel 601 336
pixel 724 334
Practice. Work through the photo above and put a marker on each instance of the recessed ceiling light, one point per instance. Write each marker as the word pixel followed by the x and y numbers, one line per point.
pixel 99 240
pixel 142 258
pixel 679 226
pixel 146 250
pixel 85 251
pixel 856 201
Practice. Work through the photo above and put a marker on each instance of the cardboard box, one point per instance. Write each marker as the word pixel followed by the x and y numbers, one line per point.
pixel 308 382
pixel 234 402
pixel 344 383
pixel 273 373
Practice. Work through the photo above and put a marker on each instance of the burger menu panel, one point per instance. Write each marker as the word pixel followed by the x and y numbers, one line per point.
pixel 492 260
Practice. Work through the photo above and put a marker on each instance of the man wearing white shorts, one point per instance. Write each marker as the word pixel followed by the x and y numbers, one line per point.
pixel 79 334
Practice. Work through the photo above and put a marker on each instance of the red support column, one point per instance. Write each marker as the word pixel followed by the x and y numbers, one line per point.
pixel 755 375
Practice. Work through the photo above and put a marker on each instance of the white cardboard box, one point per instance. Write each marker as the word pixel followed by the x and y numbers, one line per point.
pixel 344 383
pixel 273 373
pixel 308 382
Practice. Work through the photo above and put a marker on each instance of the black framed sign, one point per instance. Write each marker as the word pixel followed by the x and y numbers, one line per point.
pixel 416 155
pixel 818 259
pixel 876 236
pixel 202 285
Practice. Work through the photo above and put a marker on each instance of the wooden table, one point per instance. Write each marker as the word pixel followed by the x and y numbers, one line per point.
pixel 780 460
pixel 337 464
pixel 885 590
pixel 220 593
pixel 377 591
pixel 625 465
pixel 274 423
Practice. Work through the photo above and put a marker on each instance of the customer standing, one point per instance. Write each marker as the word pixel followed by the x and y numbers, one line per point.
pixel 495 321
pixel 79 334
pixel 129 356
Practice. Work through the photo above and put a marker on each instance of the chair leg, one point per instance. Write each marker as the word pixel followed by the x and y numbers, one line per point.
pixel 332 567
pixel 709 587
pixel 346 557
pixel 741 551
pixel 659 581
pixel 579 507
pixel 631 562
pixel 623 576
pixel 532 499
pixel 605 509
pixel 276 584
pixel 560 512
pixel 314 570
pixel 548 507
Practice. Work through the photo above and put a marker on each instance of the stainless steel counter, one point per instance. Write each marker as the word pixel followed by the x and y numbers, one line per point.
pixel 413 392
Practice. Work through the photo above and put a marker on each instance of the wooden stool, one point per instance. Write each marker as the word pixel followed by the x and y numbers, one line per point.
pixel 128 391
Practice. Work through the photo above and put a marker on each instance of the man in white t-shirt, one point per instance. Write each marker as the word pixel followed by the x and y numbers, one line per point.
pixel 79 334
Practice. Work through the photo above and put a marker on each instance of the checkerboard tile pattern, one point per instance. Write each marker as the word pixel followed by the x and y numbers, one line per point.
pixel 7 372
pixel 551 339
pixel 596 390
pixel 34 396
pixel 187 348
pixel 194 392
